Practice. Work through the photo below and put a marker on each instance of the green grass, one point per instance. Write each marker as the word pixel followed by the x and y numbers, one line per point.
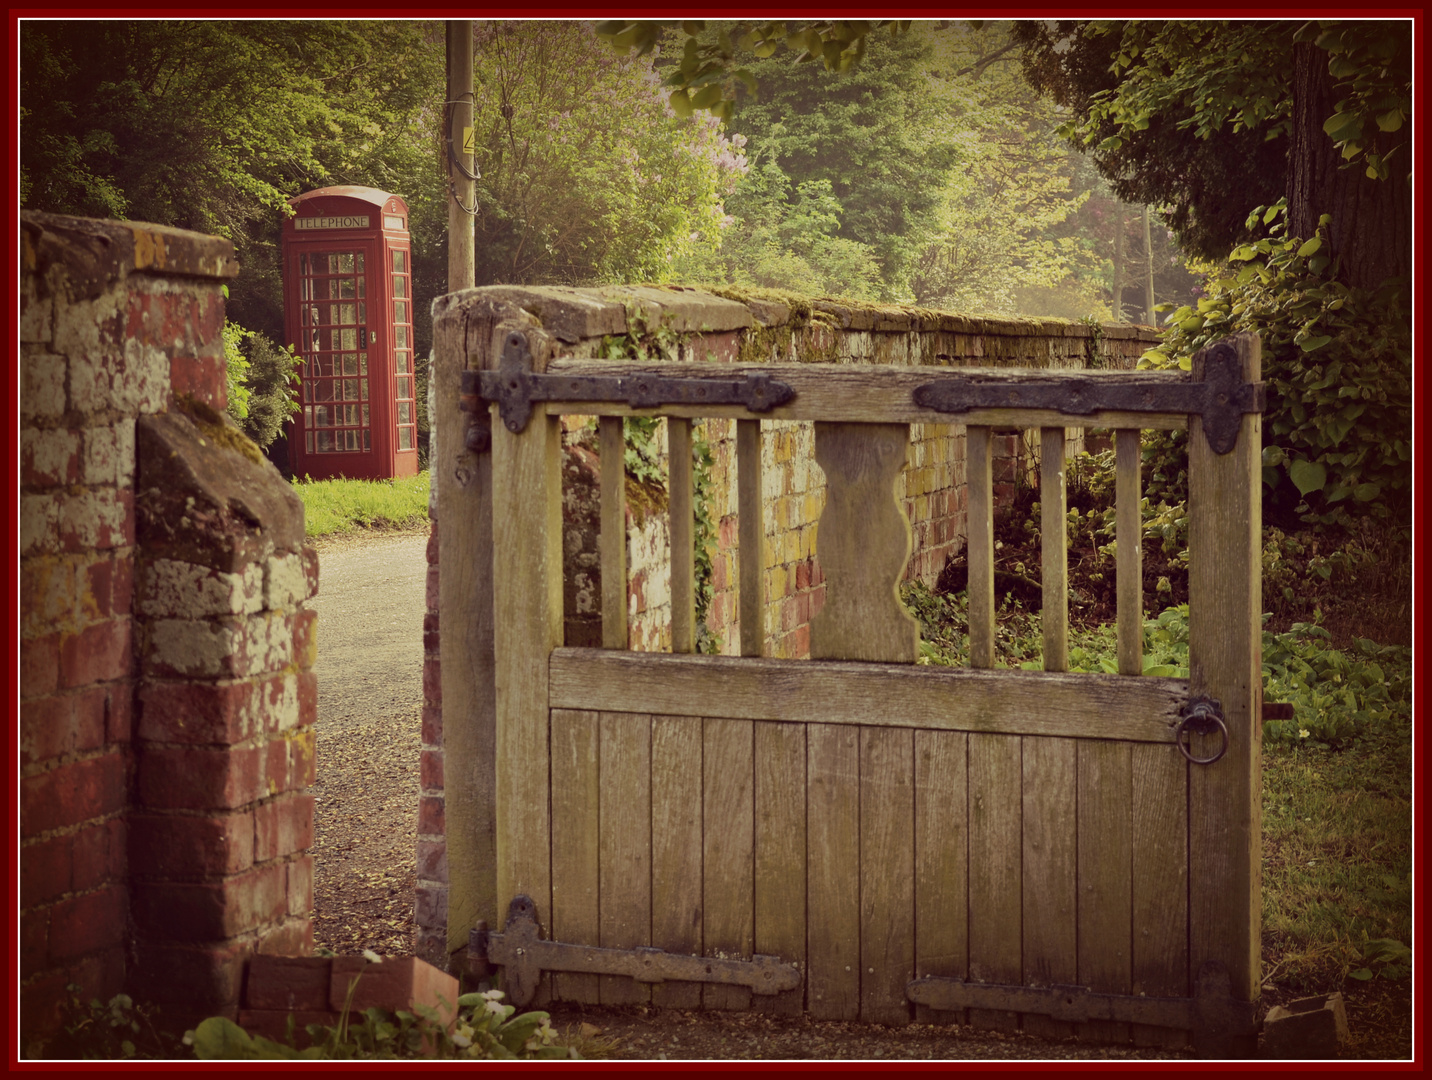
pixel 339 506
pixel 1337 780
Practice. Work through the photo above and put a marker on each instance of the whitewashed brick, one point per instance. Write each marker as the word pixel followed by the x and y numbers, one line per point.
pixel 94 519
pixel 49 453
pixel 109 454
pixel 36 316
pixel 39 523
pixel 42 385
pixel 285 583
pixel 185 590
pixel 227 647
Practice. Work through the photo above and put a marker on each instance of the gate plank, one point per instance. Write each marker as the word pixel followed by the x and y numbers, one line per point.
pixel 979 546
pixel 527 607
pixel 941 863
pixel 1050 872
pixel 612 541
pixel 1105 859
pixel 1129 564
pixel 1225 662
pixel 995 870
pixel 887 873
pixel 750 539
pixel 575 808
pixel 683 551
pixel 863 544
pixel 1160 884
pixel 781 854
pixel 1054 549
pixel 676 849
pixel 624 755
pixel 833 893
pixel 727 841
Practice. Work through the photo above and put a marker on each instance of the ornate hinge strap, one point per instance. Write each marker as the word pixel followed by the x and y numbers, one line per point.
pixel 515 387
pixel 1220 397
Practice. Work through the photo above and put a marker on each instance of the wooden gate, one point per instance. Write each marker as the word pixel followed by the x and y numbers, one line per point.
pixel 1011 848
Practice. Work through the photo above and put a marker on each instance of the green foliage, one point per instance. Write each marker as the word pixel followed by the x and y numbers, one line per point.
pixel 337 506
pixel 1393 960
pixel 485 1029
pixel 587 175
pixel 113 1031
pixel 1338 364
pixel 262 385
pixel 709 74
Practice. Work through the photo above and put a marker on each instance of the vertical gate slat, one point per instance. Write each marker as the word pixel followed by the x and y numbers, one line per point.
pixel 780 766
pixel 575 808
pixel 1129 568
pixel 1225 662
pixel 624 757
pixel 727 841
pixel 750 540
pixel 527 606
pixel 1050 872
pixel 676 849
pixel 995 870
pixel 941 863
pixel 887 873
pixel 1054 549
pixel 1160 884
pixel 611 546
pixel 979 517
pixel 832 889
pixel 1105 858
pixel 683 561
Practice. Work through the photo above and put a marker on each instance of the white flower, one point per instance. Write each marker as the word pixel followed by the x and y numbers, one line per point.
pixel 1303 733
pixel 461 1040
pixel 493 995
pixel 495 1007
pixel 372 957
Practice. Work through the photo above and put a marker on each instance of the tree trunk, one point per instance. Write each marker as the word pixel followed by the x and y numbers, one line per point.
pixel 1149 270
pixel 1118 289
pixel 1371 227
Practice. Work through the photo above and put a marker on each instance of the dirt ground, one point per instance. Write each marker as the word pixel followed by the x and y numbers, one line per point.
pixel 365 832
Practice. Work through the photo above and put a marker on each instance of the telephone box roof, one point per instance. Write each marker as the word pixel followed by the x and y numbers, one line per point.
pixel 349 191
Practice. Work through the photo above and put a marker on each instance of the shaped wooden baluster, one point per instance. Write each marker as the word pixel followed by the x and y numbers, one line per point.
pixel 863 543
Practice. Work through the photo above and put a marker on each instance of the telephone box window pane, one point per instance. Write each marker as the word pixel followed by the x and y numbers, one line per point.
pixel 400 258
pixel 349 339
pixel 400 286
pixel 350 363
pixel 347 313
pixel 401 333
pixel 362 283
pixel 362 314
pixel 345 288
pixel 405 387
pixel 400 311
pixel 350 389
pixel 364 383
pixel 325 441
pixel 367 440
pixel 308 416
pixel 405 438
pixel 365 415
pixel 308 441
pixel 405 412
pixel 391 222
pixel 321 417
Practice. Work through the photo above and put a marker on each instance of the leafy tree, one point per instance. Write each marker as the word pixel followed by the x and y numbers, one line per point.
pixel 1209 119
pixel 587 174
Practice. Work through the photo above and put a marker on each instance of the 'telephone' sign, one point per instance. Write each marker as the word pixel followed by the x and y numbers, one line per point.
pixel 330 223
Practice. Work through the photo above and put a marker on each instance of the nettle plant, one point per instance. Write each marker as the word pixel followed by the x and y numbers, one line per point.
pixel 1338 364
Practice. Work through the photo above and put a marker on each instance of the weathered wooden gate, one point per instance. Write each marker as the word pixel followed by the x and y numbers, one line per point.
pixel 1072 853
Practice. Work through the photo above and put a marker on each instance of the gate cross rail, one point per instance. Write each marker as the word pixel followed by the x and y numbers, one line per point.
pixel 1220 397
pixel 524 955
pixel 1213 1016
pixel 515 386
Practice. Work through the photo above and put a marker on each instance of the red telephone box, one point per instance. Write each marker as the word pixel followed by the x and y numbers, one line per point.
pixel 348 308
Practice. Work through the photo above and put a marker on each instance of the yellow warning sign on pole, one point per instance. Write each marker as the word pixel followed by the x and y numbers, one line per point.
pixel 469 145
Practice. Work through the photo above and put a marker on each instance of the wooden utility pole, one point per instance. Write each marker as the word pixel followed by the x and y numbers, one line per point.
pixel 462 190
pixel 1118 289
pixel 1149 280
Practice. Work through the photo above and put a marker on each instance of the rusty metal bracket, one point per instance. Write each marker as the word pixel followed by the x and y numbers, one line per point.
pixel 515 386
pixel 1201 716
pixel 1213 1017
pixel 1220 397
pixel 524 956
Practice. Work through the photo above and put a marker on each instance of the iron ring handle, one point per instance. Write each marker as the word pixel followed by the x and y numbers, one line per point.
pixel 1203 717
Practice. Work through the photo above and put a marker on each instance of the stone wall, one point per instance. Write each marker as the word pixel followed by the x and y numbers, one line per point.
pixel 681 324
pixel 166 690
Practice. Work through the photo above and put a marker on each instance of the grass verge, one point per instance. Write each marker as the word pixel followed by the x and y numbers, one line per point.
pixel 340 506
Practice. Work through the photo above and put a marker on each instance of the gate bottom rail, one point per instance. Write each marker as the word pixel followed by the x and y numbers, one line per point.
pixel 1214 1017
pixel 524 955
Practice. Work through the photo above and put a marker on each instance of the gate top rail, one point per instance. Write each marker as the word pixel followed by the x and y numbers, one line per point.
pixel 872 393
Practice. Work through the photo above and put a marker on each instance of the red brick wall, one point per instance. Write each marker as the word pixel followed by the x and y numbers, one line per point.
pixel 165 656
